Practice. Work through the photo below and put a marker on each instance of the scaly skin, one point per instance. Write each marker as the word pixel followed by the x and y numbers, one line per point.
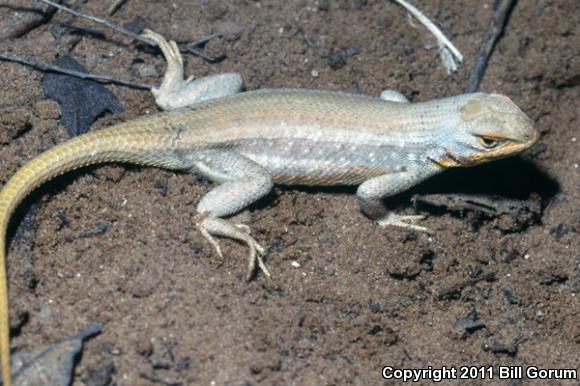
pixel 288 137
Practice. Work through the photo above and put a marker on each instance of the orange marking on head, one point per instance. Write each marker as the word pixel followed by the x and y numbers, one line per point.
pixel 447 163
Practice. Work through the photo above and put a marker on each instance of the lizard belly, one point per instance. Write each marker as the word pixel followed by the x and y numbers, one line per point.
pixel 303 162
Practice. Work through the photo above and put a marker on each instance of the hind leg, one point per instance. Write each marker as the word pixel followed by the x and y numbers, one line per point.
pixel 176 92
pixel 242 182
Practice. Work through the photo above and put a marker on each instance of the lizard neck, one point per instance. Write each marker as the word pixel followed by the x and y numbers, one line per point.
pixel 429 131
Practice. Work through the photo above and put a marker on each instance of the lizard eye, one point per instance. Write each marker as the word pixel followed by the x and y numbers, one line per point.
pixel 489 143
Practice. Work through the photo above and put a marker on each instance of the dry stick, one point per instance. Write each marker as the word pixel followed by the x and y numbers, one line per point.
pixel 122 30
pixel 190 47
pixel 101 78
pixel 494 30
pixel 83 75
pixel 29 21
pixel 446 293
pixel 450 55
pixel 115 6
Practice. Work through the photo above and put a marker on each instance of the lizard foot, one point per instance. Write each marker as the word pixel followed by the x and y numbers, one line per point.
pixel 173 81
pixel 175 91
pixel 404 221
pixel 211 227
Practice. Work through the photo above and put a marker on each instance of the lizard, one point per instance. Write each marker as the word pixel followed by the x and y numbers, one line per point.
pixel 246 142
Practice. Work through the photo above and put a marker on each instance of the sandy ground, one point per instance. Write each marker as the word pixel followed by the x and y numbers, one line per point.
pixel 363 297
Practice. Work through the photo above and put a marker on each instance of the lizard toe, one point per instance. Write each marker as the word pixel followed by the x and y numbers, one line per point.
pixel 404 221
pixel 212 226
pixel 255 260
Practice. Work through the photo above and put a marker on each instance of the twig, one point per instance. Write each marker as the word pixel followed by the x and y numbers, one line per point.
pixel 490 206
pixel 83 75
pixel 122 30
pixel 106 23
pixel 446 293
pixel 203 40
pixel 115 6
pixel 450 55
pixel 26 22
pixel 494 30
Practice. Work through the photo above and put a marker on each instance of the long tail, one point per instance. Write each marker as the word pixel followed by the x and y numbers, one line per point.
pixel 145 147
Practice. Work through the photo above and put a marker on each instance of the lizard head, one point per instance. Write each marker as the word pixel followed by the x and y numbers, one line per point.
pixel 492 127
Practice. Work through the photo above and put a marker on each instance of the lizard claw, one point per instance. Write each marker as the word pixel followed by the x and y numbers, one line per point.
pixel 241 232
pixel 404 221
pixel 212 240
pixel 256 260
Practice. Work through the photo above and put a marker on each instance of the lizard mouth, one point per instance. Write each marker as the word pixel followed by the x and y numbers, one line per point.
pixel 509 148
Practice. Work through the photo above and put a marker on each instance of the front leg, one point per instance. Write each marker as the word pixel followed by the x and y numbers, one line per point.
pixel 372 192
pixel 176 92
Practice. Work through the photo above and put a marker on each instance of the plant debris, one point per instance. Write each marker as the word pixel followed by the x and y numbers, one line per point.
pixel 81 101
pixel 53 365
pixel 516 215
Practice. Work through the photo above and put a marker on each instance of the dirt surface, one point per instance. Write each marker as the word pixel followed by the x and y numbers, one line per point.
pixel 118 245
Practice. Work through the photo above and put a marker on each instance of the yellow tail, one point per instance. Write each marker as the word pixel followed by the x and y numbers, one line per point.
pixel 112 145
